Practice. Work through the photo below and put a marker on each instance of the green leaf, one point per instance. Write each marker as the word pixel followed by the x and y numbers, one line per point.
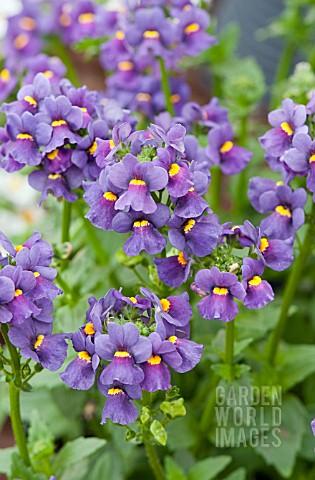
pixel 75 451
pixel 209 468
pixel 173 471
pixel 158 432
pixel 145 415
pixel 129 262
pixel 5 459
pixel 284 443
pixel 239 474
pixel 295 363
pixel 19 470
pixel 174 409
pixel 40 440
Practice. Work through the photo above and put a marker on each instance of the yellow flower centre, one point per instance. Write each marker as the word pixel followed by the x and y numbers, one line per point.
pixel 27 23
pixel 122 355
pixel 110 196
pixel 89 329
pixel 93 148
pixel 18 248
pixel 175 98
pixel 191 189
pixel 125 66
pixel 65 20
pixel 39 341
pixel 58 123
pixel 143 97
pixel 25 136
pixel 21 41
pixel 54 176
pixel 255 281
pixel 220 291
pixel 48 74
pixel 165 304
pixel 264 244
pixel 52 155
pixel 36 274
pixel 135 181
pixel 30 100
pixel 284 212
pixel 286 128
pixel 181 259
pixel 151 34
pixel 174 170
pixel 85 356
pixel 192 28
pixel 312 158
pixel 141 223
pixel 85 18
pixel 18 292
pixel 172 338
pixel 120 35
pixel 133 299
pixel 83 109
pixel 111 144
pixel 279 183
pixel 5 75
pixel 226 147
pixel 154 360
pixel 114 391
pixel 189 225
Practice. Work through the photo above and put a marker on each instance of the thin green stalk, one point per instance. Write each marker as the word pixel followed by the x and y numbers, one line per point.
pixel 214 192
pixel 283 68
pixel 14 394
pixel 166 87
pixel 150 449
pixel 229 343
pixel 241 187
pixel 208 412
pixel 290 290
pixel 66 221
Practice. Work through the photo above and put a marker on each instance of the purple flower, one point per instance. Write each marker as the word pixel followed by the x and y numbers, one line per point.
pixel 157 375
pixel 189 351
pixel 210 115
pixel 180 178
pixel 29 97
pixel 192 204
pixel 52 68
pixel 222 151
pixel 145 235
pixel 258 292
pixel 301 159
pixel 83 98
pixel 198 235
pixel 260 188
pixel 8 82
pixel 80 373
pixel 172 137
pixel 275 253
pixel 173 270
pixel 124 348
pixel 286 121
pixel 137 180
pixel 222 288
pixel 192 26
pixel 59 184
pixel 36 341
pixel 7 291
pixel 119 407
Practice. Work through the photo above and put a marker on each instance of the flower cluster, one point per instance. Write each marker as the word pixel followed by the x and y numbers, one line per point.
pixel 26 294
pixel 129 343
pixel 53 127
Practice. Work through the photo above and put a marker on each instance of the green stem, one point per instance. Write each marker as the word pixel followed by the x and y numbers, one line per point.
pixel 241 187
pixel 208 412
pixel 154 461
pixel 215 189
pixel 289 292
pixel 229 343
pixel 66 221
pixel 166 87
pixel 14 394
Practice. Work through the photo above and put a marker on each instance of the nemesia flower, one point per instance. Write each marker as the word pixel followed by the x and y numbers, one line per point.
pixel 119 407
pixel 8 82
pixel 180 178
pixel 222 151
pixel 145 235
pixel 36 341
pixel 286 122
pixel 192 204
pixel 210 115
pixel 192 25
pixel 189 351
pixel 258 292
pixel 51 67
pixel 220 289
pixel 173 270
pixel 29 96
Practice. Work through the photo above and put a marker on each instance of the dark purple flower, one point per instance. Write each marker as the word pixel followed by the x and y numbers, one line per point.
pixel 189 351
pixel 286 121
pixel 260 188
pixel 124 348
pixel 36 341
pixel 137 180
pixel 59 184
pixel 222 151
pixel 199 235
pixel 210 115
pixel 222 288
pixel 145 235
pixel 192 35
pixel 80 373
pixel 258 292
pixel 119 407
pixel 173 270
pixel 192 204
pixel 180 178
